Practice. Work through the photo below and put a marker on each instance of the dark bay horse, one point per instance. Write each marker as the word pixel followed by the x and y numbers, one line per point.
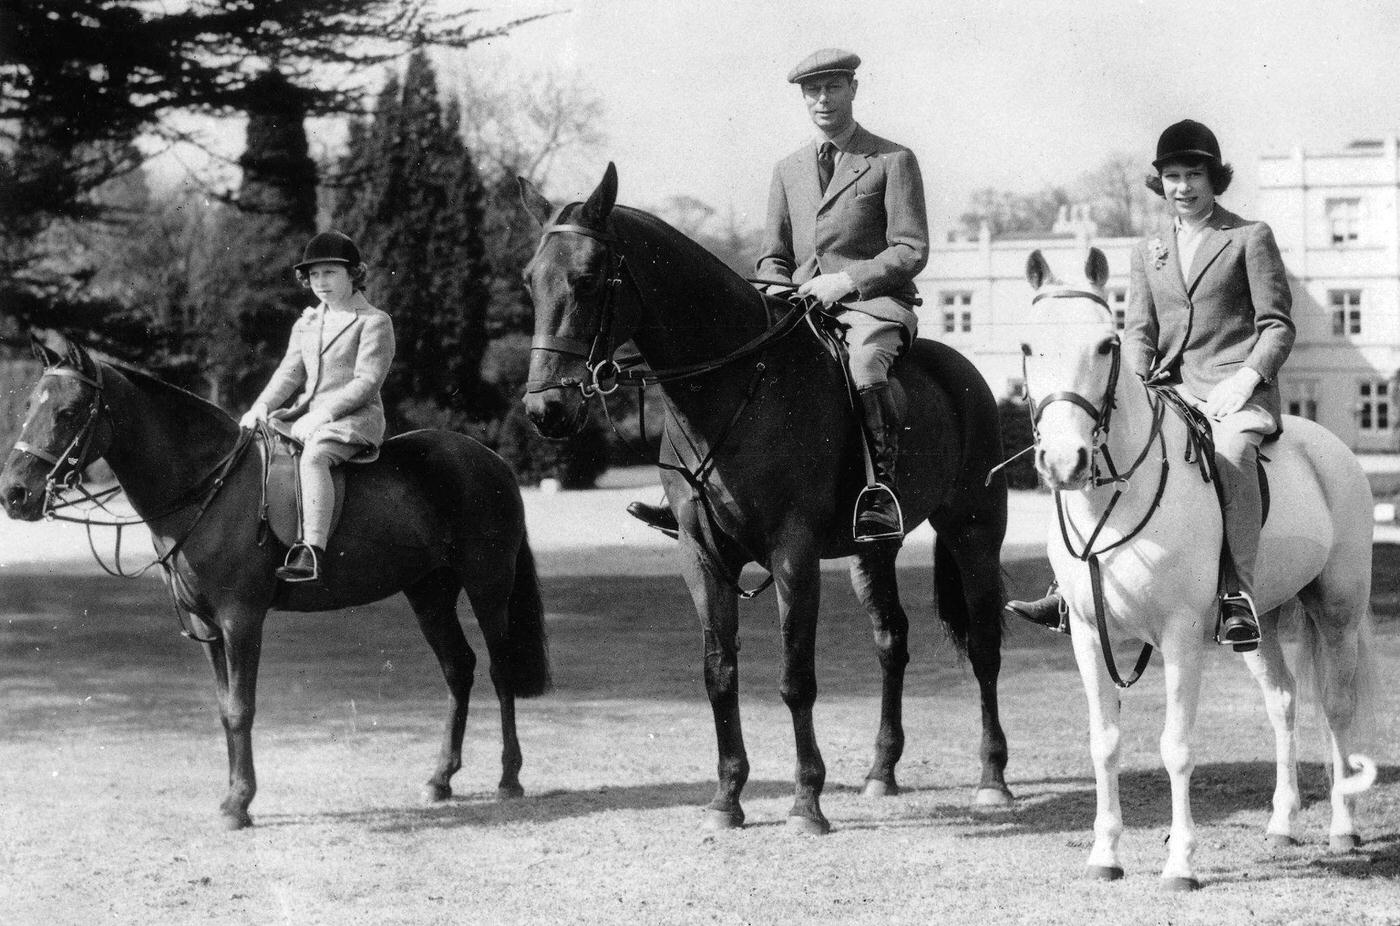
pixel 437 513
pixel 764 447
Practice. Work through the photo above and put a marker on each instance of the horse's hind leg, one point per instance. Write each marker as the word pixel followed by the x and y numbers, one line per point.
pixel 875 581
pixel 434 601
pixel 1280 702
pixel 1335 639
pixel 490 603
pixel 967 580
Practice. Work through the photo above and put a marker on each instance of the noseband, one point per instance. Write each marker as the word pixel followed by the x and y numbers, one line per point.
pixel 67 467
pixel 597 355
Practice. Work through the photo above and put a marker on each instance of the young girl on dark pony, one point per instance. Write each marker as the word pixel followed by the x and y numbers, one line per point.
pixel 338 356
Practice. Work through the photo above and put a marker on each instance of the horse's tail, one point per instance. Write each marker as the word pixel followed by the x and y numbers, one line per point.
pixel 527 645
pixel 949 599
pixel 1316 665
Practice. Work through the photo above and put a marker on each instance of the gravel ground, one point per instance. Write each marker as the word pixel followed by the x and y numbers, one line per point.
pixel 112 766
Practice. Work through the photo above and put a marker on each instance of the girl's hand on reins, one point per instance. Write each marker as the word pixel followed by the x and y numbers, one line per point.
pixel 1230 395
pixel 253 416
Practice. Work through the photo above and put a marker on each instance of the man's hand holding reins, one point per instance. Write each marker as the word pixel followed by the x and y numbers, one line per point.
pixel 1229 395
pixel 828 288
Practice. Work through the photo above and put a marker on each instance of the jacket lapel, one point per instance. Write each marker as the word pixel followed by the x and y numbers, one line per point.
pixel 853 163
pixel 1169 266
pixel 1211 246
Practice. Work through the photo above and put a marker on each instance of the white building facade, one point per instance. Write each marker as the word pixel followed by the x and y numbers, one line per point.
pixel 1336 217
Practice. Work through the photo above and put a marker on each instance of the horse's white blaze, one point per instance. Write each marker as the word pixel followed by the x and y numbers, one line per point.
pixel 1159 586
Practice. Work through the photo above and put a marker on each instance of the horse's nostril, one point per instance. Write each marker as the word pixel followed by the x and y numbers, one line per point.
pixel 15 496
pixel 1083 459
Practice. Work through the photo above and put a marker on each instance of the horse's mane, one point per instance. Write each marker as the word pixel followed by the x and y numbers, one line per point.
pixel 672 237
pixel 145 380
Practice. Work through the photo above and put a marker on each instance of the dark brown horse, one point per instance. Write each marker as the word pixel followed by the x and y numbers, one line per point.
pixel 760 465
pixel 435 514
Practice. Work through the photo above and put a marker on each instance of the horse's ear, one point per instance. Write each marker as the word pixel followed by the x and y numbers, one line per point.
pixel 42 353
pixel 1096 267
pixel 535 204
pixel 79 359
pixel 601 201
pixel 1037 270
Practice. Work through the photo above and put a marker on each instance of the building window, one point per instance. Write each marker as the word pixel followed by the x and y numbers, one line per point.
pixel 1346 311
pixel 1373 409
pixel 1118 302
pixel 1344 220
pixel 957 311
pixel 1304 400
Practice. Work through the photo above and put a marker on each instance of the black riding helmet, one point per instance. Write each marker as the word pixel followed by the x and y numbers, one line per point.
pixel 329 247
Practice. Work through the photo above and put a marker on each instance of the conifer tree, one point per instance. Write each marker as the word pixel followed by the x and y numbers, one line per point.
pixel 409 193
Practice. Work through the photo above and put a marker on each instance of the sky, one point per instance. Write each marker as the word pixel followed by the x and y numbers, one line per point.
pixel 1012 95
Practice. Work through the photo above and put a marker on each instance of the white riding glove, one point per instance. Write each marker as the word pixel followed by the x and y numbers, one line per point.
pixel 829 287
pixel 1229 395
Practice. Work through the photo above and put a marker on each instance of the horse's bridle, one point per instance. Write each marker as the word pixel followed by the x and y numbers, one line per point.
pixel 67 467
pixel 1102 414
pixel 597 354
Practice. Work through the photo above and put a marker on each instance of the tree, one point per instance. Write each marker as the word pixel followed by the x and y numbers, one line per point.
pixel 1118 203
pixel 81 79
pixel 408 191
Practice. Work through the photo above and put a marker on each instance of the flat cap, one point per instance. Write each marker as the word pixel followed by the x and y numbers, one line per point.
pixel 824 61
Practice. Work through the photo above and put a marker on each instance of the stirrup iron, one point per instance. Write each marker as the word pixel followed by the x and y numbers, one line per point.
pixel 870 497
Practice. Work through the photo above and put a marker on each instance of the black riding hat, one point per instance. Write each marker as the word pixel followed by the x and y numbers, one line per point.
pixel 329 247
pixel 1186 139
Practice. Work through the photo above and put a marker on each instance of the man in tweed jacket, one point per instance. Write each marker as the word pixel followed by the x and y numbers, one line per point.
pixel 846 222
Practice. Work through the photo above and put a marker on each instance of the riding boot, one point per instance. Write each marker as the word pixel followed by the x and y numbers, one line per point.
pixel 658 516
pixel 1243 510
pixel 1049 611
pixel 878 516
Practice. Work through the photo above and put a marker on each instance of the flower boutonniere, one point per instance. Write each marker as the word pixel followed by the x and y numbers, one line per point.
pixel 1159 253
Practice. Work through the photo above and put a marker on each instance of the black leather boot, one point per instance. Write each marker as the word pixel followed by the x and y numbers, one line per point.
pixel 303 564
pixel 658 516
pixel 877 515
pixel 1049 611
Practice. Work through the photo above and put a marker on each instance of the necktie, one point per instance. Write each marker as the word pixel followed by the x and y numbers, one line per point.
pixel 826 164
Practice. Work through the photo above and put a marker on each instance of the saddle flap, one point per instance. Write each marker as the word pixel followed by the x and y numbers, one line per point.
pixel 281 510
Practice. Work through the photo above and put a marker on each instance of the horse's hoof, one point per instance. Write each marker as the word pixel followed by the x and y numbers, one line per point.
pixel 435 793
pixel 875 787
pixel 806 826
pixel 236 821
pixel 1282 841
pixel 716 820
pixel 1344 842
pixel 994 797
pixel 509 792
pixel 1180 885
pixel 1105 873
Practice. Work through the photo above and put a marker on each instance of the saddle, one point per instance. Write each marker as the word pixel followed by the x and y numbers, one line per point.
pixel 280 506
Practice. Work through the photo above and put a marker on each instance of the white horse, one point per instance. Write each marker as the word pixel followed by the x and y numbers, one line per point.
pixel 1134 510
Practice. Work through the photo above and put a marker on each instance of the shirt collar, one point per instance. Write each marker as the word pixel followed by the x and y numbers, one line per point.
pixel 1181 225
pixel 842 141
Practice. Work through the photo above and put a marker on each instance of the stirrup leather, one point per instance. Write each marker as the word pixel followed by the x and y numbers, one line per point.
pixel 872 496
pixel 1220 616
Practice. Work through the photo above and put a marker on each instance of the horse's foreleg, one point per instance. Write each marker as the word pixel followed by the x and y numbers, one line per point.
pixel 1182 678
pixel 1104 707
pixel 434 602
pixel 1280 702
pixel 874 579
pixel 718 607
pixel 797 570
pixel 237 679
